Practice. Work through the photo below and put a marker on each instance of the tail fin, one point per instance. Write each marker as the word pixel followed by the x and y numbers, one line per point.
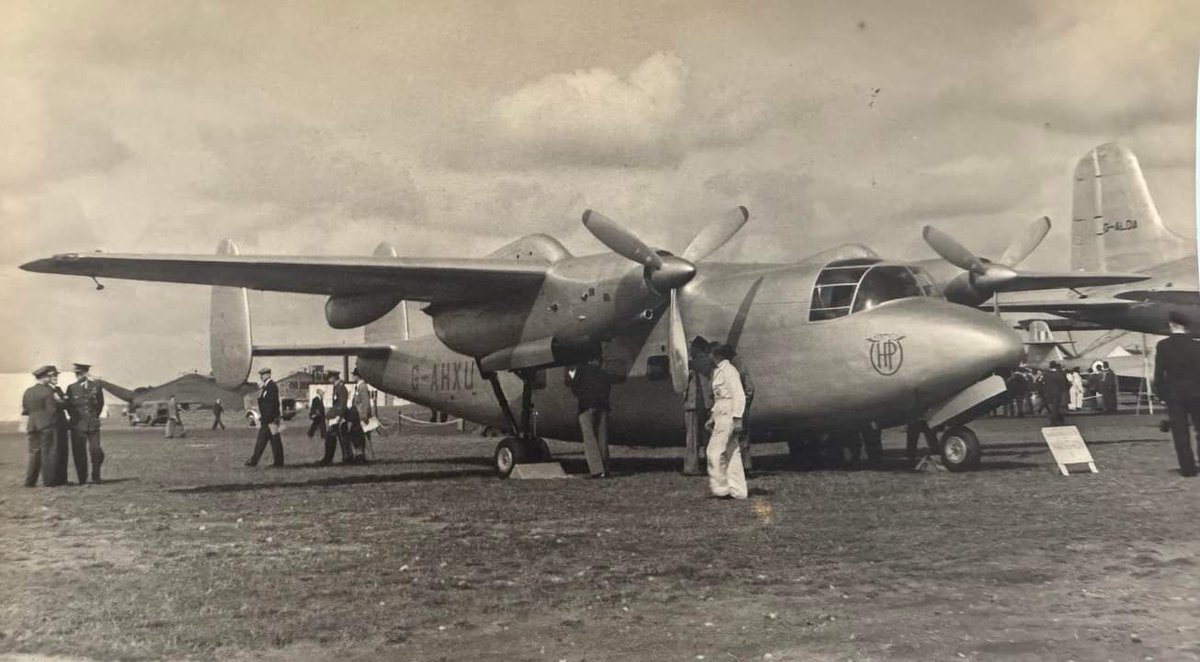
pixel 1041 347
pixel 1115 224
pixel 392 327
pixel 229 344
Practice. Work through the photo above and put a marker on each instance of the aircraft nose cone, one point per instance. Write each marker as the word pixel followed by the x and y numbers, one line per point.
pixel 986 343
pixel 675 272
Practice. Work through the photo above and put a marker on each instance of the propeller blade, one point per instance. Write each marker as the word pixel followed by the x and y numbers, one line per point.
pixel 619 240
pixel 1025 244
pixel 716 234
pixel 677 349
pixel 952 251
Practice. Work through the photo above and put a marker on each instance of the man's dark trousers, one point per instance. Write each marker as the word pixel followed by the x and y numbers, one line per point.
pixel 260 445
pixel 1180 412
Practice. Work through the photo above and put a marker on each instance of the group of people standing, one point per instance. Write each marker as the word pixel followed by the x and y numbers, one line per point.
pixel 715 405
pixel 1056 391
pixel 60 420
pixel 343 425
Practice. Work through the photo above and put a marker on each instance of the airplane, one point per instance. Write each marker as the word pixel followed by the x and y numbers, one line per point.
pixel 843 343
pixel 1115 225
pixel 970 280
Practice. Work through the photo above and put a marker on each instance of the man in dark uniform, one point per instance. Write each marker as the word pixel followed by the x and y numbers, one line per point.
pixel 1177 381
pixel 269 413
pixel 1054 391
pixel 1108 388
pixel 697 400
pixel 218 409
pixel 316 414
pixel 43 406
pixel 62 433
pixel 86 401
pixel 591 386
pixel 743 435
pixel 337 419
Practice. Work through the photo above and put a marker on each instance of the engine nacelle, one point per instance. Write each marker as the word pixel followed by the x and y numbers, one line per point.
pixel 348 311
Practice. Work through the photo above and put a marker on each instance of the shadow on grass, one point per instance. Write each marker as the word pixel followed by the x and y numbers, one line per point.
pixel 334 481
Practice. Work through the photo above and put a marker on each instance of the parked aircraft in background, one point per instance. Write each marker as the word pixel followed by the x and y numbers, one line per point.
pixel 1115 226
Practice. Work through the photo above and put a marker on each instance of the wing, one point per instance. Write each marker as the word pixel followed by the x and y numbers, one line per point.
pixel 1053 280
pixel 414 279
pixel 1064 306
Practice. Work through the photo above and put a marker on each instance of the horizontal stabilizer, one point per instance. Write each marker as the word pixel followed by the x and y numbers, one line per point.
pixel 1173 297
pixel 119 391
pixel 376 350
pixel 441 279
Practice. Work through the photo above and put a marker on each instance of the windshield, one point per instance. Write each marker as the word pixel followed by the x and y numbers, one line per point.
pixel 851 286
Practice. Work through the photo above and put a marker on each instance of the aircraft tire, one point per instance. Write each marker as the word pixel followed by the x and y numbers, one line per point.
pixel 873 445
pixel 509 453
pixel 960 449
pixel 543 450
pixel 799 454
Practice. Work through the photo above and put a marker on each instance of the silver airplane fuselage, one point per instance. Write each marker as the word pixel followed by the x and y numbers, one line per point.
pixel 881 364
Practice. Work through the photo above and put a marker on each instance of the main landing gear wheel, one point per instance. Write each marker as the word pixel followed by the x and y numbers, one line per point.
pixel 509 453
pixel 512 451
pixel 960 449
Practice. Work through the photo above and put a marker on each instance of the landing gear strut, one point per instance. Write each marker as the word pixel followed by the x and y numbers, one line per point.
pixel 522 445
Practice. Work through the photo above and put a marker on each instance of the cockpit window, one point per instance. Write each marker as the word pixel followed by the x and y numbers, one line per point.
pixel 851 286
pixel 882 284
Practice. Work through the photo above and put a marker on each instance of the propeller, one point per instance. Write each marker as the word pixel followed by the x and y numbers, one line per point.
pixel 666 273
pixel 984 276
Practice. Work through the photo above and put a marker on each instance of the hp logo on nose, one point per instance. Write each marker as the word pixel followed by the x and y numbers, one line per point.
pixel 886 352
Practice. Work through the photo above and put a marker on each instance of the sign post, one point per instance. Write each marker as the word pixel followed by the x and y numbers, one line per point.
pixel 1067 447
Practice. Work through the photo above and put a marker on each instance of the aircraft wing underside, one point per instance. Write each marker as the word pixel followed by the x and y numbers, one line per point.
pixel 1064 306
pixel 412 279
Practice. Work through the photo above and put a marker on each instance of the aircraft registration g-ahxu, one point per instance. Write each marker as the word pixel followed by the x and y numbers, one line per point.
pixel 842 344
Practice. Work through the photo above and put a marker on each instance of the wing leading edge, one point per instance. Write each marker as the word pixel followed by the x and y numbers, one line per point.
pixel 413 279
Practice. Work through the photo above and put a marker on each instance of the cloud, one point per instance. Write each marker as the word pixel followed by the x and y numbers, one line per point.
pixel 1083 67
pixel 304 170
pixel 41 144
pixel 595 117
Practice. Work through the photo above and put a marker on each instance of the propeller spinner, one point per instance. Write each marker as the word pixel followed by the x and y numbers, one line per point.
pixel 985 276
pixel 666 273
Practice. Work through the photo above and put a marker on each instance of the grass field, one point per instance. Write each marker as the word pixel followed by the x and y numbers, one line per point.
pixel 423 555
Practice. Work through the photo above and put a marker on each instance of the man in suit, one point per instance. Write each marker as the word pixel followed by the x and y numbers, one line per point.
pixel 174 422
pixel 362 403
pixel 591 386
pixel 337 419
pixel 1055 390
pixel 62 433
pixel 269 414
pixel 218 409
pixel 43 407
pixel 316 414
pixel 86 401
pixel 1108 388
pixel 1177 381
pixel 697 400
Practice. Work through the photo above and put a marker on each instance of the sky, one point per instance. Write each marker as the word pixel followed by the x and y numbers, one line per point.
pixel 452 128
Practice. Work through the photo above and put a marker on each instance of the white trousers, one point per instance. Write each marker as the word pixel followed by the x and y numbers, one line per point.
pixel 726 477
pixel 1076 398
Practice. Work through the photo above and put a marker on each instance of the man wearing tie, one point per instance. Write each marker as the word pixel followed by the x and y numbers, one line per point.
pixel 1177 380
pixel 86 401
pixel 269 412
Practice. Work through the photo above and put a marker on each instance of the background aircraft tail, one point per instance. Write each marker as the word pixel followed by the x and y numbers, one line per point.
pixel 1041 347
pixel 1115 225
pixel 392 328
